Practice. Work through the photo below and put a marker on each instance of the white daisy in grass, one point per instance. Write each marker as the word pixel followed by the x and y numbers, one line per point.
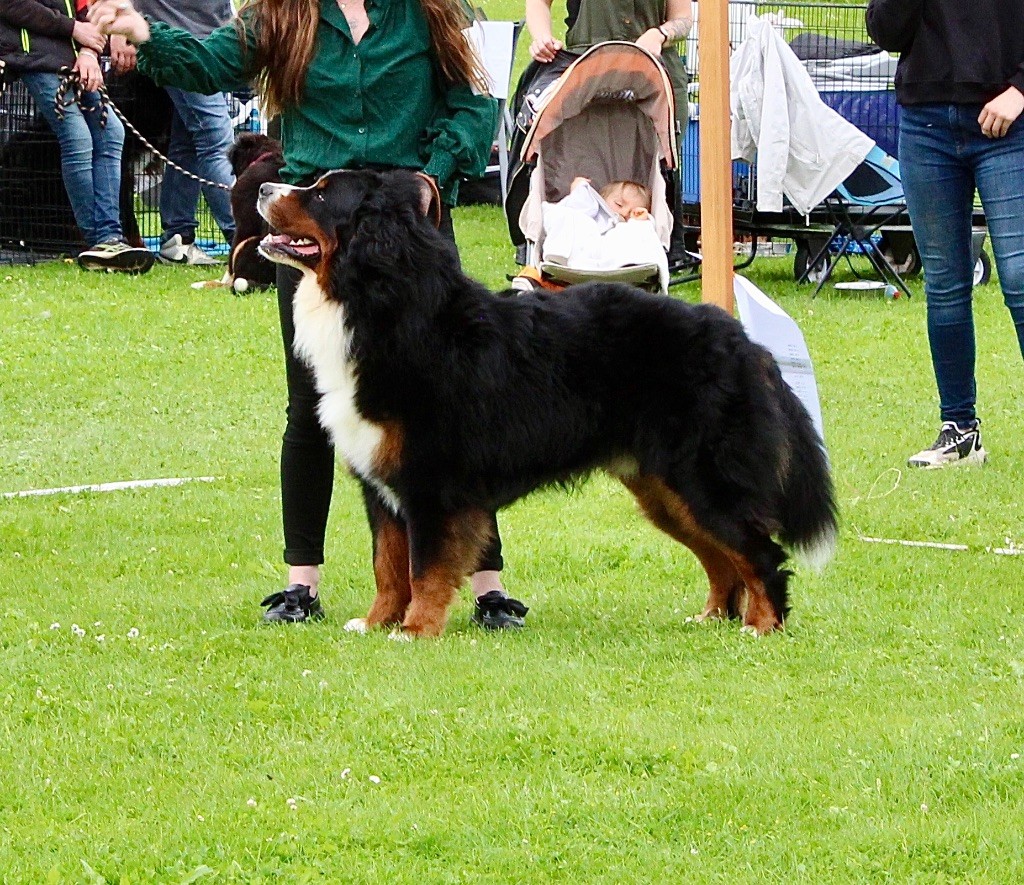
pixel 251 803
pixel 133 633
pixel 55 625
pixel 78 631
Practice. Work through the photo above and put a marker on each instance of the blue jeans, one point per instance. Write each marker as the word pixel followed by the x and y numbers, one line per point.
pixel 201 136
pixel 944 157
pixel 90 158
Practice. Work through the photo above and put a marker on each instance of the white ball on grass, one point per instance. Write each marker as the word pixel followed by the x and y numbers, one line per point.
pixel 240 284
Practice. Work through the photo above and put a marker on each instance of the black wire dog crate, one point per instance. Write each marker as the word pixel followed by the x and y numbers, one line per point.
pixel 855 78
pixel 36 220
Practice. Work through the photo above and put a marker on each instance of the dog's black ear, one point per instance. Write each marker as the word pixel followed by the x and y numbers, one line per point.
pixel 430 198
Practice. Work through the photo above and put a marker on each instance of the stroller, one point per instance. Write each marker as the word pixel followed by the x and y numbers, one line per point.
pixel 608 117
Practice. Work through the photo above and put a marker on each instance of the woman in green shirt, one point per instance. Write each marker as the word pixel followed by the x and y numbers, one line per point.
pixel 356 84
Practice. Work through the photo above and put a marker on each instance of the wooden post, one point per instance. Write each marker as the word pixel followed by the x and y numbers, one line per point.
pixel 715 152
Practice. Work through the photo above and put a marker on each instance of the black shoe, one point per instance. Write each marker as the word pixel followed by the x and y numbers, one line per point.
pixel 955 445
pixel 292 605
pixel 495 611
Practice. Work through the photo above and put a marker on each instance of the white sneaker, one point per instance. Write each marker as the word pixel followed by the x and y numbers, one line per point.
pixel 955 445
pixel 175 251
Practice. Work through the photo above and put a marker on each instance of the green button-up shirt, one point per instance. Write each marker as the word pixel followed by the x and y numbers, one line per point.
pixel 381 102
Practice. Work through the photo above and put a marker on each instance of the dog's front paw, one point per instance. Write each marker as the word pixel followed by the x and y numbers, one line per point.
pixel 357 625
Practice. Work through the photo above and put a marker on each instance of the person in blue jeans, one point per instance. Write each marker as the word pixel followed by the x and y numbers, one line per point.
pixel 38 39
pixel 201 136
pixel 960 84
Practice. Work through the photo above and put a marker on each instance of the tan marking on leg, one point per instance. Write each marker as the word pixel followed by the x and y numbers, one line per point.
pixel 760 617
pixel 466 535
pixel 391 571
pixel 729 572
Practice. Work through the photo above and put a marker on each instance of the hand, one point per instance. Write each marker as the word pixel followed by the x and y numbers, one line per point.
pixel 119 17
pixel 88 67
pixel 998 115
pixel 543 49
pixel 89 36
pixel 652 40
pixel 122 54
pixel 577 181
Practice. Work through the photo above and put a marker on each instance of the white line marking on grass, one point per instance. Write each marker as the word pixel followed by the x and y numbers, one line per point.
pixel 110 486
pixel 935 545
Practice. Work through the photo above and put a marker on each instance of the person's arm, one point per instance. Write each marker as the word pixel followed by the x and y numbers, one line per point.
pixel 459 139
pixel 87 66
pixel 677 24
pixel 893 24
pixel 36 18
pixel 173 57
pixel 538 22
pixel 999 114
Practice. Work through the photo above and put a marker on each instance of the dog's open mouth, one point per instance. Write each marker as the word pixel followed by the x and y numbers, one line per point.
pixel 281 247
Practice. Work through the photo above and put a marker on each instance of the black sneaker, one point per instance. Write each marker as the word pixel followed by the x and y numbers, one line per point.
pixel 291 605
pixel 955 445
pixel 495 611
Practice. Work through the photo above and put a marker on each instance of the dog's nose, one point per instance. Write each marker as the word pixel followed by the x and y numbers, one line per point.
pixel 266 189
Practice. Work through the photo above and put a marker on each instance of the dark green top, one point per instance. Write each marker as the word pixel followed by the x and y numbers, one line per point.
pixel 600 20
pixel 379 103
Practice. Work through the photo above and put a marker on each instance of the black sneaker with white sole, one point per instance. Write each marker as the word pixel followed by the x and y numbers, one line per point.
pixel 956 444
pixel 496 611
pixel 116 256
pixel 292 605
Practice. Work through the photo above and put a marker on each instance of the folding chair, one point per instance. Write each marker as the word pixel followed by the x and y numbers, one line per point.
pixel 869 199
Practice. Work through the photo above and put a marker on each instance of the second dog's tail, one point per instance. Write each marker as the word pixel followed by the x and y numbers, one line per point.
pixel 809 514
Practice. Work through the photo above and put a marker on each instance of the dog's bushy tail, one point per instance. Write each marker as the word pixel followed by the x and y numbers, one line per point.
pixel 809 514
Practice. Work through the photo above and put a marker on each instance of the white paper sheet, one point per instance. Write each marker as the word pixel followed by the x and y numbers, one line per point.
pixel 771 327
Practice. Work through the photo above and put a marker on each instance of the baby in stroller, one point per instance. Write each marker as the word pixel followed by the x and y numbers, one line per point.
pixel 599 230
pixel 602 133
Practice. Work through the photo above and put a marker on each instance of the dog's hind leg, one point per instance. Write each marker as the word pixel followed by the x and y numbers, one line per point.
pixel 759 564
pixel 669 512
pixel 444 552
pixel 732 573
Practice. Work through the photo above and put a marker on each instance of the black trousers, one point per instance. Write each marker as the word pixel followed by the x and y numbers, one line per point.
pixel 307 455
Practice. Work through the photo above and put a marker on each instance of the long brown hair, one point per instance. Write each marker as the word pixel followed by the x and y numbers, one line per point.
pixel 285 39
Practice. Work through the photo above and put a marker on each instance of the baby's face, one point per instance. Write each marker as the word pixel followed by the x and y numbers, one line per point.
pixel 624 201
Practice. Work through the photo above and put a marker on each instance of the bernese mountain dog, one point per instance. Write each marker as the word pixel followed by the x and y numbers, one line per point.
pixel 450 402
pixel 255 159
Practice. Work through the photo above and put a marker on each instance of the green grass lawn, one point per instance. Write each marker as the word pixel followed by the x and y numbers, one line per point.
pixel 170 738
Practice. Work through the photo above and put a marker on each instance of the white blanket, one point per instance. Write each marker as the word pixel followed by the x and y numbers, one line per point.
pixel 584 233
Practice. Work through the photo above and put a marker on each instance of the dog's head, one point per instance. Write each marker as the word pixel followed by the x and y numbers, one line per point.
pixel 249 147
pixel 373 220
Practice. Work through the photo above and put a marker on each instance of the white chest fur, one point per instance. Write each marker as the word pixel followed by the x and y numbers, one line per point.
pixel 322 342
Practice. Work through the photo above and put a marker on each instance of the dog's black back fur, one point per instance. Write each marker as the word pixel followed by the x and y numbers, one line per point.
pixel 498 395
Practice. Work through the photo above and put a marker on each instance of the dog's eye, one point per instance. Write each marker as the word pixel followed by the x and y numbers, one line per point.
pixel 319 196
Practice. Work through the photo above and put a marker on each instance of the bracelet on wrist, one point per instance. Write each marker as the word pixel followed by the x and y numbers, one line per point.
pixel 665 34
